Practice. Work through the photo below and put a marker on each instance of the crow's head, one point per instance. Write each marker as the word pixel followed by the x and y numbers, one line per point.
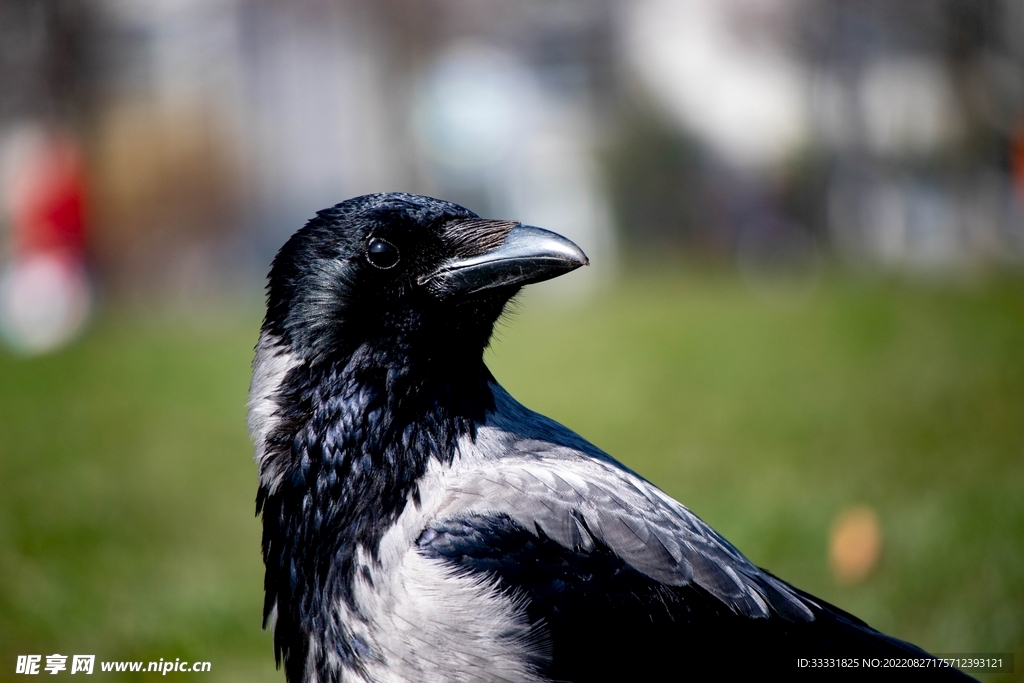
pixel 368 367
pixel 404 273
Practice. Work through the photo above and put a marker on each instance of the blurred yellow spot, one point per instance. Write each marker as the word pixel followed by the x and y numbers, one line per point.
pixel 854 544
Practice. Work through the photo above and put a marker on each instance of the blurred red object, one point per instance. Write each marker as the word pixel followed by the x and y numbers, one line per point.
pixel 45 294
pixel 47 200
pixel 1017 161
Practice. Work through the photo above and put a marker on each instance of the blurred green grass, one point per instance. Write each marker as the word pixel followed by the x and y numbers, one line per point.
pixel 126 521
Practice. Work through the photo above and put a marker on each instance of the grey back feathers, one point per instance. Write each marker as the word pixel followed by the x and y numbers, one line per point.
pixel 551 483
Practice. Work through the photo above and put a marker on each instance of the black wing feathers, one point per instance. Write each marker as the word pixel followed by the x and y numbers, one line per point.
pixel 608 621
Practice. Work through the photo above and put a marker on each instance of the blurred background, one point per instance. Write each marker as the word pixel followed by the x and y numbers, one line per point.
pixel 804 318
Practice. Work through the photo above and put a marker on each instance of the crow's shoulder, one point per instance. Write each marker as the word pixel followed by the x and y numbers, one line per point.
pixel 528 473
pixel 610 564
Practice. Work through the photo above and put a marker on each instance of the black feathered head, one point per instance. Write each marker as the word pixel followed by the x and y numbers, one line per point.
pixel 407 273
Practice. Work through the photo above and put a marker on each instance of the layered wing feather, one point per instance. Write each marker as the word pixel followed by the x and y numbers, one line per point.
pixel 624 579
pixel 581 503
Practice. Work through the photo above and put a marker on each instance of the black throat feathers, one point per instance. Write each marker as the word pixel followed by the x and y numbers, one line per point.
pixel 356 435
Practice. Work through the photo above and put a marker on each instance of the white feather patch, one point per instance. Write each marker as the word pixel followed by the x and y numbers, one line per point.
pixel 426 621
pixel 271 365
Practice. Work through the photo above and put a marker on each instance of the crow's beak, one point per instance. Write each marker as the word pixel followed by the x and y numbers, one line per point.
pixel 526 255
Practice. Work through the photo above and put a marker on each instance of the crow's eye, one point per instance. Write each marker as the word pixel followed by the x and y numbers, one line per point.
pixel 382 254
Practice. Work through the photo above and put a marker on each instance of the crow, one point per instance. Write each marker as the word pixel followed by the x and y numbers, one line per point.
pixel 421 525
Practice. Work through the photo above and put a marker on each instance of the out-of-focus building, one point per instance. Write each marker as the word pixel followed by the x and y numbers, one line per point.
pixel 883 129
pixel 882 132
pixel 215 129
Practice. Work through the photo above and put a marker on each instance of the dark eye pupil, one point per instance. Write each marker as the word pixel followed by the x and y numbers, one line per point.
pixel 382 254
